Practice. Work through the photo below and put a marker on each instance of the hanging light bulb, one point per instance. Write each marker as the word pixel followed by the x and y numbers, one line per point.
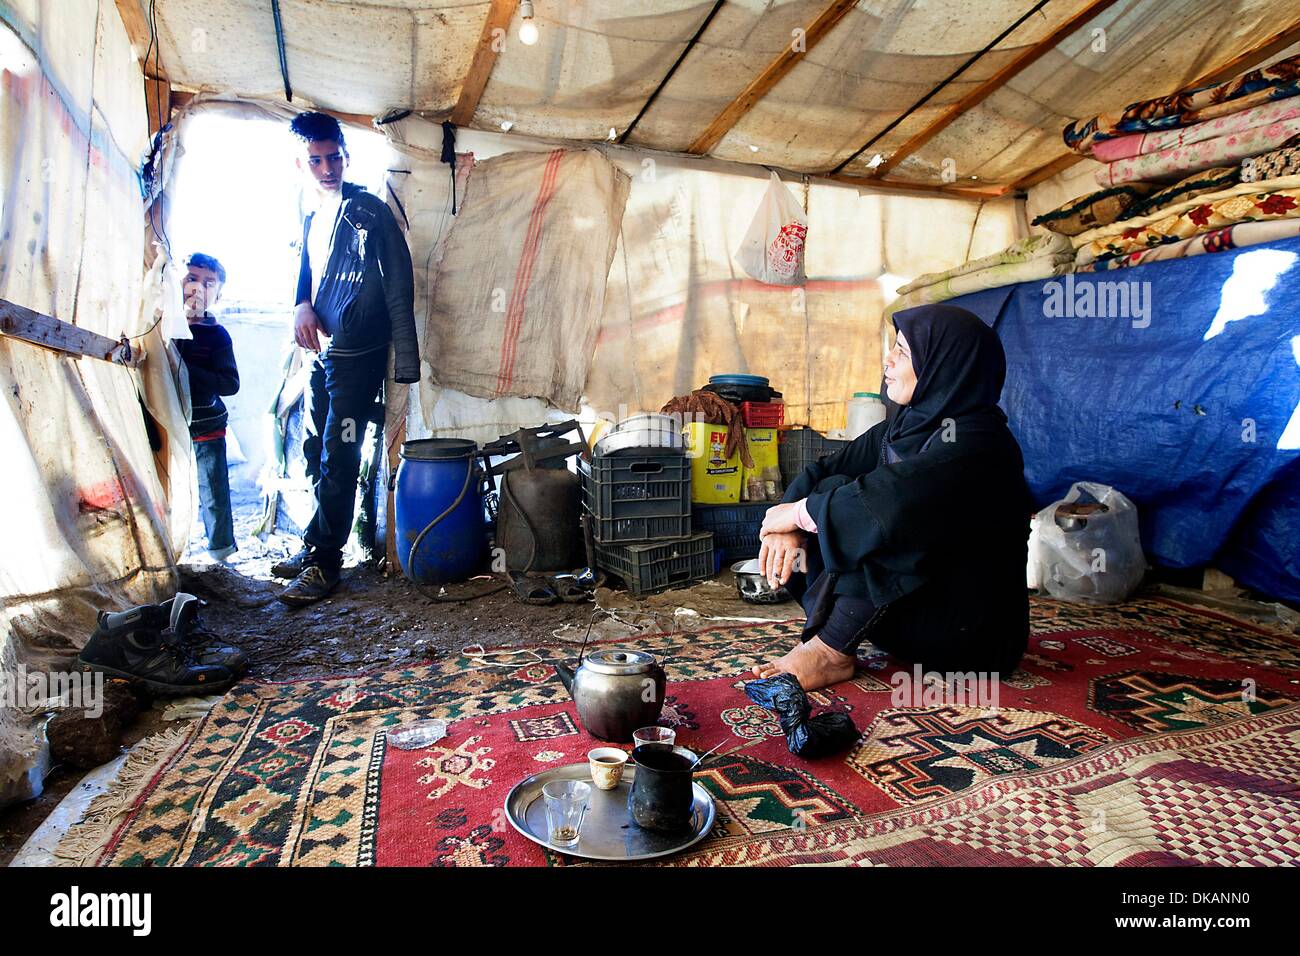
pixel 528 29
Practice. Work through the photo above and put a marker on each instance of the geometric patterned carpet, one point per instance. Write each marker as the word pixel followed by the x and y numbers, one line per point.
pixel 1124 738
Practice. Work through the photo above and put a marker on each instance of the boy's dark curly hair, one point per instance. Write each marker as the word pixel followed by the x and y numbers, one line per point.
pixel 202 260
pixel 315 127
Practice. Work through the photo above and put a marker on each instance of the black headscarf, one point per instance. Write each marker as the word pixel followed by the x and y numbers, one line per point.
pixel 960 369
pixel 955 516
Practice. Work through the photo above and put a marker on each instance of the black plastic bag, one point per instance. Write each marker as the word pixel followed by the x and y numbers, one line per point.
pixel 809 737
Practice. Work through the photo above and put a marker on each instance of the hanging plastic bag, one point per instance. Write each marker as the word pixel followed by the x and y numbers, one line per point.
pixel 1085 548
pixel 772 250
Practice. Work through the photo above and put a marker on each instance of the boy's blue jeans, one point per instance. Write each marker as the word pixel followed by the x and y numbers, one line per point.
pixel 214 493
pixel 340 400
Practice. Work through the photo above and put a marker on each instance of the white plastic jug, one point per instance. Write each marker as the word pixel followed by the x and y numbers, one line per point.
pixel 865 410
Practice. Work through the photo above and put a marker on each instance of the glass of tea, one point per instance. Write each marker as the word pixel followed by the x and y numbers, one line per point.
pixel 654 735
pixel 566 805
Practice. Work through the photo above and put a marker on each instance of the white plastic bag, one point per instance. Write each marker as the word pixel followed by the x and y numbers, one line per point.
pixel 1097 561
pixel 772 250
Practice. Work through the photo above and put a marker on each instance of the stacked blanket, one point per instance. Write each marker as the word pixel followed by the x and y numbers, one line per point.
pixel 1201 218
pixel 1189 107
pixel 1236 236
pixel 1036 257
pixel 1180 159
pixel 1173 169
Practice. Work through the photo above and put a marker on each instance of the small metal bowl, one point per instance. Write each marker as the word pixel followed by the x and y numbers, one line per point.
pixel 753 587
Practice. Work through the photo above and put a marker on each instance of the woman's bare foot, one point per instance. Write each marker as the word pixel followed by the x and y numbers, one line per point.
pixel 814 664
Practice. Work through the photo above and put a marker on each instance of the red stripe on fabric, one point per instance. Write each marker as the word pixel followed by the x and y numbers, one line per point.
pixel 523 275
pixel 525 253
pixel 520 311
pixel 515 312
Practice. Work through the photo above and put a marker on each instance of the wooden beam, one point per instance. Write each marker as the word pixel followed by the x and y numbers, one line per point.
pixel 137 29
pixel 1256 55
pixel 770 75
pixel 46 332
pixel 157 103
pixel 485 57
pixel 681 57
pixel 1048 170
pixel 996 81
pixel 940 189
pixel 182 98
pixel 1241 63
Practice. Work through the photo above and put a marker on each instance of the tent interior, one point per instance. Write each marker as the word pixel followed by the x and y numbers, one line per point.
pixel 573 181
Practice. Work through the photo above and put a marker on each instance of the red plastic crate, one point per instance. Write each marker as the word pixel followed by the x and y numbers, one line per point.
pixel 763 414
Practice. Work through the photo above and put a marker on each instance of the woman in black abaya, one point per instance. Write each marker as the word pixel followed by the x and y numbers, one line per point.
pixel 915 534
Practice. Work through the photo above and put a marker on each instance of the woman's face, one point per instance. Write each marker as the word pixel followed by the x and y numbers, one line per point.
pixel 900 377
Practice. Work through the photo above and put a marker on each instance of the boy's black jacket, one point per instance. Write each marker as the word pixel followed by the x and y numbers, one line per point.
pixel 210 362
pixel 366 294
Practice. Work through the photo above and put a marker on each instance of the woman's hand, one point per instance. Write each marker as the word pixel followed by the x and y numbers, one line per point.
pixel 782 554
pixel 780 519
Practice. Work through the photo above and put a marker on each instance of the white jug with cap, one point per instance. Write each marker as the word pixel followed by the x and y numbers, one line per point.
pixel 865 410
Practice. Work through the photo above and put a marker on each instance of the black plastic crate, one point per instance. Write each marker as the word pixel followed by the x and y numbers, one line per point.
pixel 637 497
pixel 653 566
pixel 798 448
pixel 735 527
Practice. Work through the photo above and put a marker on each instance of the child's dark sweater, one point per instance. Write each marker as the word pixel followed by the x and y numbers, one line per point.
pixel 210 359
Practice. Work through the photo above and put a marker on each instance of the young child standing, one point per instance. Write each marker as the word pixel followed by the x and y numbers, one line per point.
pixel 210 360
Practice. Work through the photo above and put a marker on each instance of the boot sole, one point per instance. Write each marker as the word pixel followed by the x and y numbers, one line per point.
pixel 159 688
pixel 305 601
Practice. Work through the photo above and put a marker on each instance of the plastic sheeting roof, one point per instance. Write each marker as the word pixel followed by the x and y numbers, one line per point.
pixel 597 63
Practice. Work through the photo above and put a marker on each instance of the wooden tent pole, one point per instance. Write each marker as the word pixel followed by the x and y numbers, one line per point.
pixel 769 77
pixel 988 87
pixel 485 57
pixel 1240 63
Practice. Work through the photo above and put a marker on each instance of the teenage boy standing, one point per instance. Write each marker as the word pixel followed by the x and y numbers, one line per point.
pixel 355 287
pixel 210 361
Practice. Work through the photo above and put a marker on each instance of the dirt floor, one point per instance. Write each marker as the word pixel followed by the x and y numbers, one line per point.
pixel 373 622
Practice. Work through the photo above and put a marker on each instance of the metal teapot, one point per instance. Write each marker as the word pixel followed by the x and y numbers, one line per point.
pixel 617 690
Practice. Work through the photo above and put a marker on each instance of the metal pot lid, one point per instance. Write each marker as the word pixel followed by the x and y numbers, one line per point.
pixel 653 420
pixel 619 661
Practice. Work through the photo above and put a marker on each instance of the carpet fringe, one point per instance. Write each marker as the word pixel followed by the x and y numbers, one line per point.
pixel 86 839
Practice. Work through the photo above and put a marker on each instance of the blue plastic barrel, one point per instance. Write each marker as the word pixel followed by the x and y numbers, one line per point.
pixel 437 477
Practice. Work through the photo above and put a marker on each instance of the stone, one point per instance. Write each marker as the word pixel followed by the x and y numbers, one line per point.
pixel 81 741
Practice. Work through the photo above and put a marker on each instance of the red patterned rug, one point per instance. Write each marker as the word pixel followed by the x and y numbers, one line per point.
pixel 1150 733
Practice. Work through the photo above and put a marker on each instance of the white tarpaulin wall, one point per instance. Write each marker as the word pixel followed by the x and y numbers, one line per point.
pixel 677 306
pixel 87 524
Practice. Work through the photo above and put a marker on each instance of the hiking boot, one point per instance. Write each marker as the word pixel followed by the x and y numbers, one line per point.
pixel 128 645
pixel 311 586
pixel 293 565
pixel 205 647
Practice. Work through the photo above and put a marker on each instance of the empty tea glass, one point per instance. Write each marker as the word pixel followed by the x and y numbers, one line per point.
pixel 566 805
pixel 654 735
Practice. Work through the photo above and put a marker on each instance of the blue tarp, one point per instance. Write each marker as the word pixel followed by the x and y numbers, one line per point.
pixel 1177 382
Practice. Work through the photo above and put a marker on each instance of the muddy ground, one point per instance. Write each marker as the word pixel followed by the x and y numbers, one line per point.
pixel 374 621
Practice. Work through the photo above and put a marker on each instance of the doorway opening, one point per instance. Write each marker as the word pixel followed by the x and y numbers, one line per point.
pixel 237 195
